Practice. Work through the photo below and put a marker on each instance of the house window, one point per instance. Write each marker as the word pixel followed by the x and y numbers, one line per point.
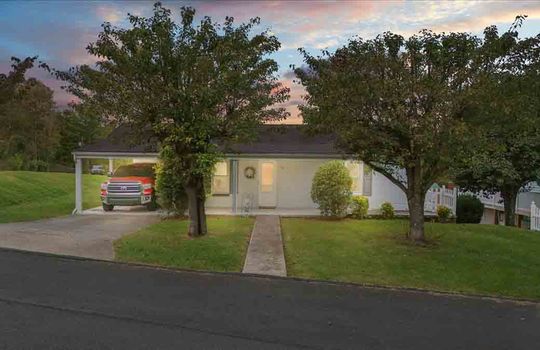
pixel 367 180
pixel 354 171
pixel 221 181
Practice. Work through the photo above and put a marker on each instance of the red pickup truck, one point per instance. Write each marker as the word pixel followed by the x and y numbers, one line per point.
pixel 132 184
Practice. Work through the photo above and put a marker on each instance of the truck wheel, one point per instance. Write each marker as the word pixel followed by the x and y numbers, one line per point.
pixel 108 207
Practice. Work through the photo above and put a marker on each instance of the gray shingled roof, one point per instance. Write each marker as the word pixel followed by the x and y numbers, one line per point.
pixel 272 139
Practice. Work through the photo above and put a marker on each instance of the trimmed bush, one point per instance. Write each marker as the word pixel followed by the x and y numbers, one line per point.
pixel 469 209
pixel 443 213
pixel 387 210
pixel 359 207
pixel 331 188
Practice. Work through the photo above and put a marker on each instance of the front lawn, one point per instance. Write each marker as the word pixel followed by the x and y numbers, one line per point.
pixel 27 195
pixel 167 244
pixel 480 259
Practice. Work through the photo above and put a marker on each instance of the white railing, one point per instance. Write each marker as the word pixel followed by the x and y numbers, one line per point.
pixel 440 196
pixel 535 217
pixel 491 200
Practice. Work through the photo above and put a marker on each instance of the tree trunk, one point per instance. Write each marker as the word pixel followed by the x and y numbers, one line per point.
pixel 415 199
pixel 510 199
pixel 197 214
pixel 416 217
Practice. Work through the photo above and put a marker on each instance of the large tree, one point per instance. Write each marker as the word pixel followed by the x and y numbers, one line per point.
pixel 27 114
pixel 80 125
pixel 504 155
pixel 190 85
pixel 8 90
pixel 397 104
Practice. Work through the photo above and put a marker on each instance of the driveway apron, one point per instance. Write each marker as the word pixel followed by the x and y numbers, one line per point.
pixel 90 236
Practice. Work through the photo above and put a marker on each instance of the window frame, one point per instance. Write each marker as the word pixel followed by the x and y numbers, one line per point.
pixel 359 178
pixel 228 176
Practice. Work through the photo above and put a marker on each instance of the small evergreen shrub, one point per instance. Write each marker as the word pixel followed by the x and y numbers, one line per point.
pixel 359 207
pixel 387 210
pixel 443 213
pixel 331 189
pixel 469 209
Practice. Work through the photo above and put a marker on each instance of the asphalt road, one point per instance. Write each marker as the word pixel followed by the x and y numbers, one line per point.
pixel 51 302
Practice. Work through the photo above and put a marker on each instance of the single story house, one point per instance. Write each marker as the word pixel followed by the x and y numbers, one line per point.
pixel 272 174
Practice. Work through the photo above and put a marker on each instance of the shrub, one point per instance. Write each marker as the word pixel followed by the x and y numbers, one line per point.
pixel 443 213
pixel 469 209
pixel 331 188
pixel 387 210
pixel 359 207
pixel 170 188
pixel 37 165
pixel 16 162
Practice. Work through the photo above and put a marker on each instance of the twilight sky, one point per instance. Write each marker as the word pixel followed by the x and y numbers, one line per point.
pixel 58 31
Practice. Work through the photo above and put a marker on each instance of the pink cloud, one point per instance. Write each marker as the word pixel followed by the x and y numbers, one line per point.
pixel 297 92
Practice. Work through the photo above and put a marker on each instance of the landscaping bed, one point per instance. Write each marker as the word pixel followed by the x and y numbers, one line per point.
pixel 468 258
pixel 167 244
pixel 28 195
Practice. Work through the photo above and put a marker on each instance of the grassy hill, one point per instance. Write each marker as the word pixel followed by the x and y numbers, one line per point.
pixel 26 195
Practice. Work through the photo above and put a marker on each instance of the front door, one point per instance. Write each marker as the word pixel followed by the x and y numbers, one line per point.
pixel 267 184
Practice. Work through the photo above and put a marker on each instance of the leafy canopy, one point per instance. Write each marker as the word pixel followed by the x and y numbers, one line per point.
pixel 504 154
pixel 188 84
pixel 395 103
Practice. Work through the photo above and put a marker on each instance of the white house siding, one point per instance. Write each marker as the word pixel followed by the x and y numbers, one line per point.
pixel 248 189
pixel 293 180
pixel 221 201
pixel 386 191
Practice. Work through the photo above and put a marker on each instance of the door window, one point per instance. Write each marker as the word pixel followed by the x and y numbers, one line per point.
pixel 267 177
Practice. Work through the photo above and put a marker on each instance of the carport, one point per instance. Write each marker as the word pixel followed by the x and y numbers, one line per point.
pixel 116 146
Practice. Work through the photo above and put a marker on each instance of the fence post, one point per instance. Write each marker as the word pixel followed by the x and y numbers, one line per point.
pixel 535 217
pixel 454 199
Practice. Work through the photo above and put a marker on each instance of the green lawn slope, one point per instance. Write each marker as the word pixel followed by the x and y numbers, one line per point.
pixel 27 195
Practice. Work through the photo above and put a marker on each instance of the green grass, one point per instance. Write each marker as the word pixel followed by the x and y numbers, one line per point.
pixel 26 195
pixel 478 259
pixel 167 244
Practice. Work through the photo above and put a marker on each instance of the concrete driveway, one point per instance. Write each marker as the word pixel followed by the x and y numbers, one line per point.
pixel 89 236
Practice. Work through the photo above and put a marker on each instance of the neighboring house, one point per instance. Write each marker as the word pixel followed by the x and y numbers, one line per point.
pixel 494 207
pixel 274 173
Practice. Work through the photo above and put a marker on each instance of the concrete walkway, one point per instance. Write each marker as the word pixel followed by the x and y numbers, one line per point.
pixel 265 252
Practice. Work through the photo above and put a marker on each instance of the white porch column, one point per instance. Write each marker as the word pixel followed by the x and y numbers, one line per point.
pixel 234 187
pixel 111 165
pixel 78 186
